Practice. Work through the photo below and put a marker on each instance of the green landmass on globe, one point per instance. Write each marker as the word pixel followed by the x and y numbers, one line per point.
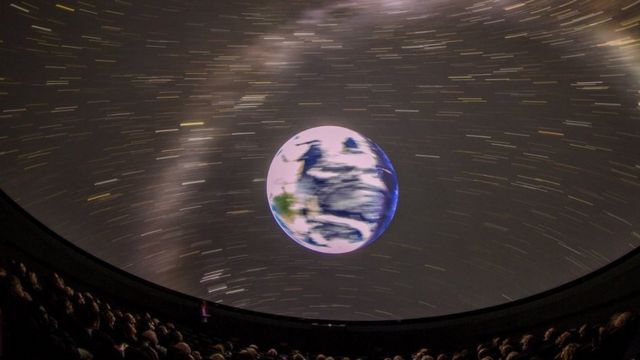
pixel 283 203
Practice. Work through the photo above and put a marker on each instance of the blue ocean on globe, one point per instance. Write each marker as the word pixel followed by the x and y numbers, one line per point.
pixel 332 190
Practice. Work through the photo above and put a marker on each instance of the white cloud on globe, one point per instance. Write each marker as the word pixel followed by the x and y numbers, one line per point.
pixel 332 190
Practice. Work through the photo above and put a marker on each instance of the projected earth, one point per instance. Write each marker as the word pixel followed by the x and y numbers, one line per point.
pixel 332 190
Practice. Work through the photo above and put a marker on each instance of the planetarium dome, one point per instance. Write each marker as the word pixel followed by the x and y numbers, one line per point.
pixel 483 151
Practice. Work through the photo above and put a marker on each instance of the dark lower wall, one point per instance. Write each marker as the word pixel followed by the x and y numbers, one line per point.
pixel 592 298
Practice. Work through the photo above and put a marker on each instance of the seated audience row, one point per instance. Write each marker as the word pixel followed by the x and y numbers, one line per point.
pixel 51 320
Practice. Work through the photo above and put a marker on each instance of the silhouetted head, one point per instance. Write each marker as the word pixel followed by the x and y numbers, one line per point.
pixel 89 318
pixel 244 355
pixel 529 343
pixel 505 350
pixel 253 352
pixel 483 352
pixel 622 319
pixel 175 337
pixel 151 337
pixel 271 354
pixel 216 356
pixel 512 355
pixel 550 334
pixel 564 339
pixel 184 347
pixel 568 352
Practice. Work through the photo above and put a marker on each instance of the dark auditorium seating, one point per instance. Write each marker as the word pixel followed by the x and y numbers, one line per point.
pixel 46 318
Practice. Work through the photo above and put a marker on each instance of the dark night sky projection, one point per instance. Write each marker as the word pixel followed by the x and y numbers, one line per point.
pixel 142 131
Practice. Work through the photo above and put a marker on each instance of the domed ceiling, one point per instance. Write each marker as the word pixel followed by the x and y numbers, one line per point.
pixel 143 132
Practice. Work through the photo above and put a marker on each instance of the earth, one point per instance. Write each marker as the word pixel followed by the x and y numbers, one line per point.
pixel 332 190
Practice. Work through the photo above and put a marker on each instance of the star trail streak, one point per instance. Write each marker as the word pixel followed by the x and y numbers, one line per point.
pixel 142 132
